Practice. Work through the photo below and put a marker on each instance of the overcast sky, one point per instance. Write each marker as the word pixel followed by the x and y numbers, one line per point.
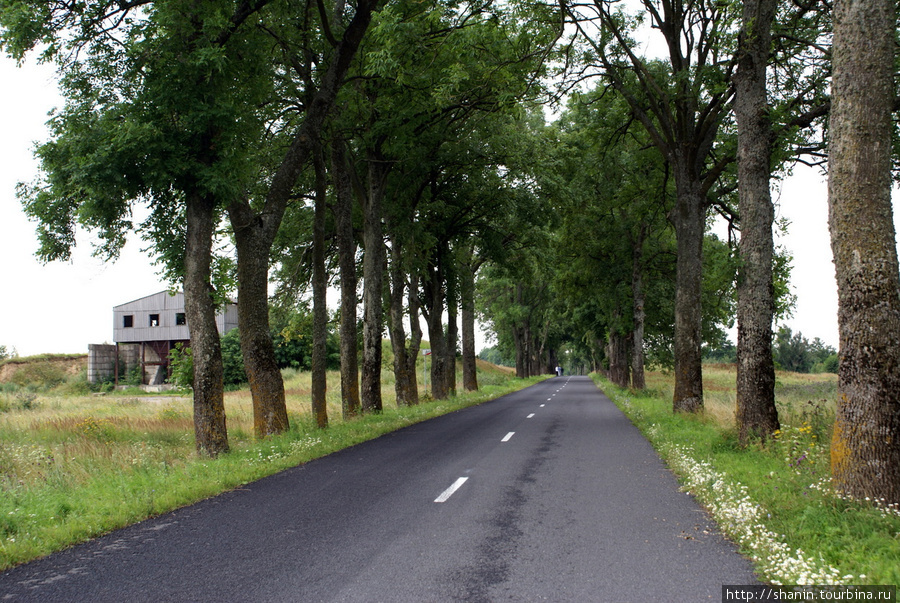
pixel 62 307
pixel 59 307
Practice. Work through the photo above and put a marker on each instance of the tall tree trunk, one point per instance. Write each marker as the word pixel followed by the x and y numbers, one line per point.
pixel 552 362
pixel 535 351
pixel 415 337
pixel 467 303
pixel 865 447
pixel 373 283
pixel 346 246
pixel 529 349
pixel 210 431
pixel 689 219
pixel 320 286
pixel 434 290
pixel 266 384
pixel 519 340
pixel 452 329
pixel 618 359
pixel 402 377
pixel 637 309
pixel 756 413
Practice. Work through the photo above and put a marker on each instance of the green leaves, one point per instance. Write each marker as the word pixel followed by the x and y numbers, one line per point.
pixel 160 99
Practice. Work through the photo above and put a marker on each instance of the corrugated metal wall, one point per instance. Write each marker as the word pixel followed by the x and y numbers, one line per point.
pixel 165 309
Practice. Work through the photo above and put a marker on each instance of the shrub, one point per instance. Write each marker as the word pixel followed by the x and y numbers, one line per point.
pixel 233 359
pixel 181 366
pixel 181 363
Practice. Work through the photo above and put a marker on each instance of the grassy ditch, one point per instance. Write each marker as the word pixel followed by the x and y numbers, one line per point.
pixel 773 499
pixel 73 467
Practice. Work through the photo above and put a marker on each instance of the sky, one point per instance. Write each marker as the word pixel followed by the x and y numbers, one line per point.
pixel 64 306
pixel 60 307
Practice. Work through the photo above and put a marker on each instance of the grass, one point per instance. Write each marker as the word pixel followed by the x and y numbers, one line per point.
pixel 73 467
pixel 774 498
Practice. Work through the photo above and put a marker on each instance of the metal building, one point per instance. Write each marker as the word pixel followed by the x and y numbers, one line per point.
pixel 145 330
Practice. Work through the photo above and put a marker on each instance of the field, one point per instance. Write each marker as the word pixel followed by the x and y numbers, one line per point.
pixel 76 464
pixel 773 498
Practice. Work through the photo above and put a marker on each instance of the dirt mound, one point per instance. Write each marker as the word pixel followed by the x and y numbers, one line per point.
pixel 42 370
pixel 484 365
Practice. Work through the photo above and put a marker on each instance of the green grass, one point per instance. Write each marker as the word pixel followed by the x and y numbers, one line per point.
pixel 75 467
pixel 773 499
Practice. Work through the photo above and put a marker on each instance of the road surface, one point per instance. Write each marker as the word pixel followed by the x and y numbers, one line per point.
pixel 547 494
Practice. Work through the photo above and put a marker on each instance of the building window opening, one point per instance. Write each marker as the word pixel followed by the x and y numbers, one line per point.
pixel 128 321
pixel 180 319
pixel 154 320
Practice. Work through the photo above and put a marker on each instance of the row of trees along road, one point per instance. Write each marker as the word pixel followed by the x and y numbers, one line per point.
pixel 304 133
pixel 259 109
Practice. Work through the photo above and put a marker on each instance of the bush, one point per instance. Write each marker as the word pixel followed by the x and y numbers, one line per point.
pixel 181 363
pixel 829 365
pixel 292 336
pixel 793 352
pixel 181 366
pixel 495 356
pixel 19 400
pixel 233 359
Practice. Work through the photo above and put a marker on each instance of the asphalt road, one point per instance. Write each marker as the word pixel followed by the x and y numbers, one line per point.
pixel 563 500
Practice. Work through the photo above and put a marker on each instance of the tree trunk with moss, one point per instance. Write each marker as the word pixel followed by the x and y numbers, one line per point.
pixel 346 246
pixel 415 336
pixel 404 377
pixel 637 308
pixel 434 310
pixel 266 384
pixel 373 282
pixel 319 386
pixel 689 218
pixel 452 330
pixel 617 351
pixel 467 309
pixel 200 310
pixel 756 413
pixel 865 447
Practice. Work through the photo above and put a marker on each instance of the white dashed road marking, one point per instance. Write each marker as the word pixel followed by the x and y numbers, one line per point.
pixel 449 491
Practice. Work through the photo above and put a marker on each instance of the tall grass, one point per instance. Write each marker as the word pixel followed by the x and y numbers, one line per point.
pixel 773 498
pixel 74 467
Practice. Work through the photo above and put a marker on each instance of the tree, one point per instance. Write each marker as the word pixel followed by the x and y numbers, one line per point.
pixel 346 249
pixel 792 351
pixel 373 280
pixel 469 266
pixel 319 386
pixel 612 190
pixel 314 81
pixel 681 104
pixel 160 106
pixel 865 447
pixel 756 413
pixel 423 159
